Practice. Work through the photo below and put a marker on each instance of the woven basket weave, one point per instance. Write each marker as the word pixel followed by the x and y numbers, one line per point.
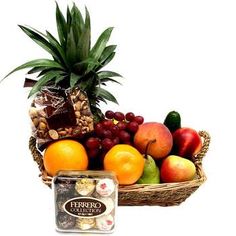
pixel 164 194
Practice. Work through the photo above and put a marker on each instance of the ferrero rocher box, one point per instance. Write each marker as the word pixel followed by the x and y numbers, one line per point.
pixel 85 201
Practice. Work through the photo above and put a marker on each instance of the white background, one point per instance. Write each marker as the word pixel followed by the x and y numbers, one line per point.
pixel 174 55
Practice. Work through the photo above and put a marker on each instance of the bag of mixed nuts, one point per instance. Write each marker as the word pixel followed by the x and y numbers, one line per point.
pixel 58 113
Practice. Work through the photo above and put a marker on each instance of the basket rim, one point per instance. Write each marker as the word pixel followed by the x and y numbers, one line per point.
pixel 162 186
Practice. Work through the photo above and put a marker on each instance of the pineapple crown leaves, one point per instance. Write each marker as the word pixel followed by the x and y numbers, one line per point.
pixel 74 62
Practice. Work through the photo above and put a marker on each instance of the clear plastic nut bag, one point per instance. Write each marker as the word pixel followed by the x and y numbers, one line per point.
pixel 85 201
pixel 60 113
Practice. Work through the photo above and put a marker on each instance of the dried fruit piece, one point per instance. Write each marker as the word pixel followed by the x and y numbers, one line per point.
pixel 53 134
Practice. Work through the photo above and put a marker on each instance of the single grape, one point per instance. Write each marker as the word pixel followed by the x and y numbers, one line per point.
pixel 107 134
pixel 109 114
pixel 99 129
pixel 121 125
pixel 115 130
pixel 107 124
pixel 92 143
pixel 129 116
pixel 119 116
pixel 98 125
pixel 93 153
pixel 139 119
pixel 99 132
pixel 132 127
pixel 107 143
pixel 124 136
pixel 116 140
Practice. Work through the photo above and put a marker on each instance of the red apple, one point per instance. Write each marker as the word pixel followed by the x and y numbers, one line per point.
pixel 177 169
pixel 186 142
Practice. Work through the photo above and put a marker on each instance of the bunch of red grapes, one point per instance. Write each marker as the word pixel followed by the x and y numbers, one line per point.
pixel 116 128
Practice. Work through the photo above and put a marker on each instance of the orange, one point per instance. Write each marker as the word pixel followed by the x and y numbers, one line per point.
pixel 65 155
pixel 126 161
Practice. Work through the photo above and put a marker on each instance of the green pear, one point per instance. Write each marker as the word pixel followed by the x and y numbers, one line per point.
pixel 151 173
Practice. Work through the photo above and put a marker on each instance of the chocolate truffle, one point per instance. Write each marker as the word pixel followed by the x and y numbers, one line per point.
pixel 60 202
pixel 64 186
pixel 105 222
pixel 85 186
pixel 109 204
pixel 65 221
pixel 105 187
pixel 85 223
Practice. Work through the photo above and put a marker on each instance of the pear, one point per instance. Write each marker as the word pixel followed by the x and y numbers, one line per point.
pixel 151 173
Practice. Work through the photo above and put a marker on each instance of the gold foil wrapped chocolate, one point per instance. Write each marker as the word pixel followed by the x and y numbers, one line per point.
pixel 85 186
pixel 85 223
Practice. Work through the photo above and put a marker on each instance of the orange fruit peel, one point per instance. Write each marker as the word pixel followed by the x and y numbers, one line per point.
pixel 65 155
pixel 126 161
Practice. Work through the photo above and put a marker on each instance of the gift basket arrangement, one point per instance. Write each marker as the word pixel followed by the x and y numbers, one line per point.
pixel 155 163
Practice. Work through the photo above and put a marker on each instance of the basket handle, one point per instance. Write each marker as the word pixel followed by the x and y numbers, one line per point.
pixel 206 142
pixel 38 158
pixel 36 154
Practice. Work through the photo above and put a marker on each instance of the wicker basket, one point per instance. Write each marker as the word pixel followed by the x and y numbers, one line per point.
pixel 164 194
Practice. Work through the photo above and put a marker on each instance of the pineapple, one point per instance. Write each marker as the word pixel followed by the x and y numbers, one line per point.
pixel 74 62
